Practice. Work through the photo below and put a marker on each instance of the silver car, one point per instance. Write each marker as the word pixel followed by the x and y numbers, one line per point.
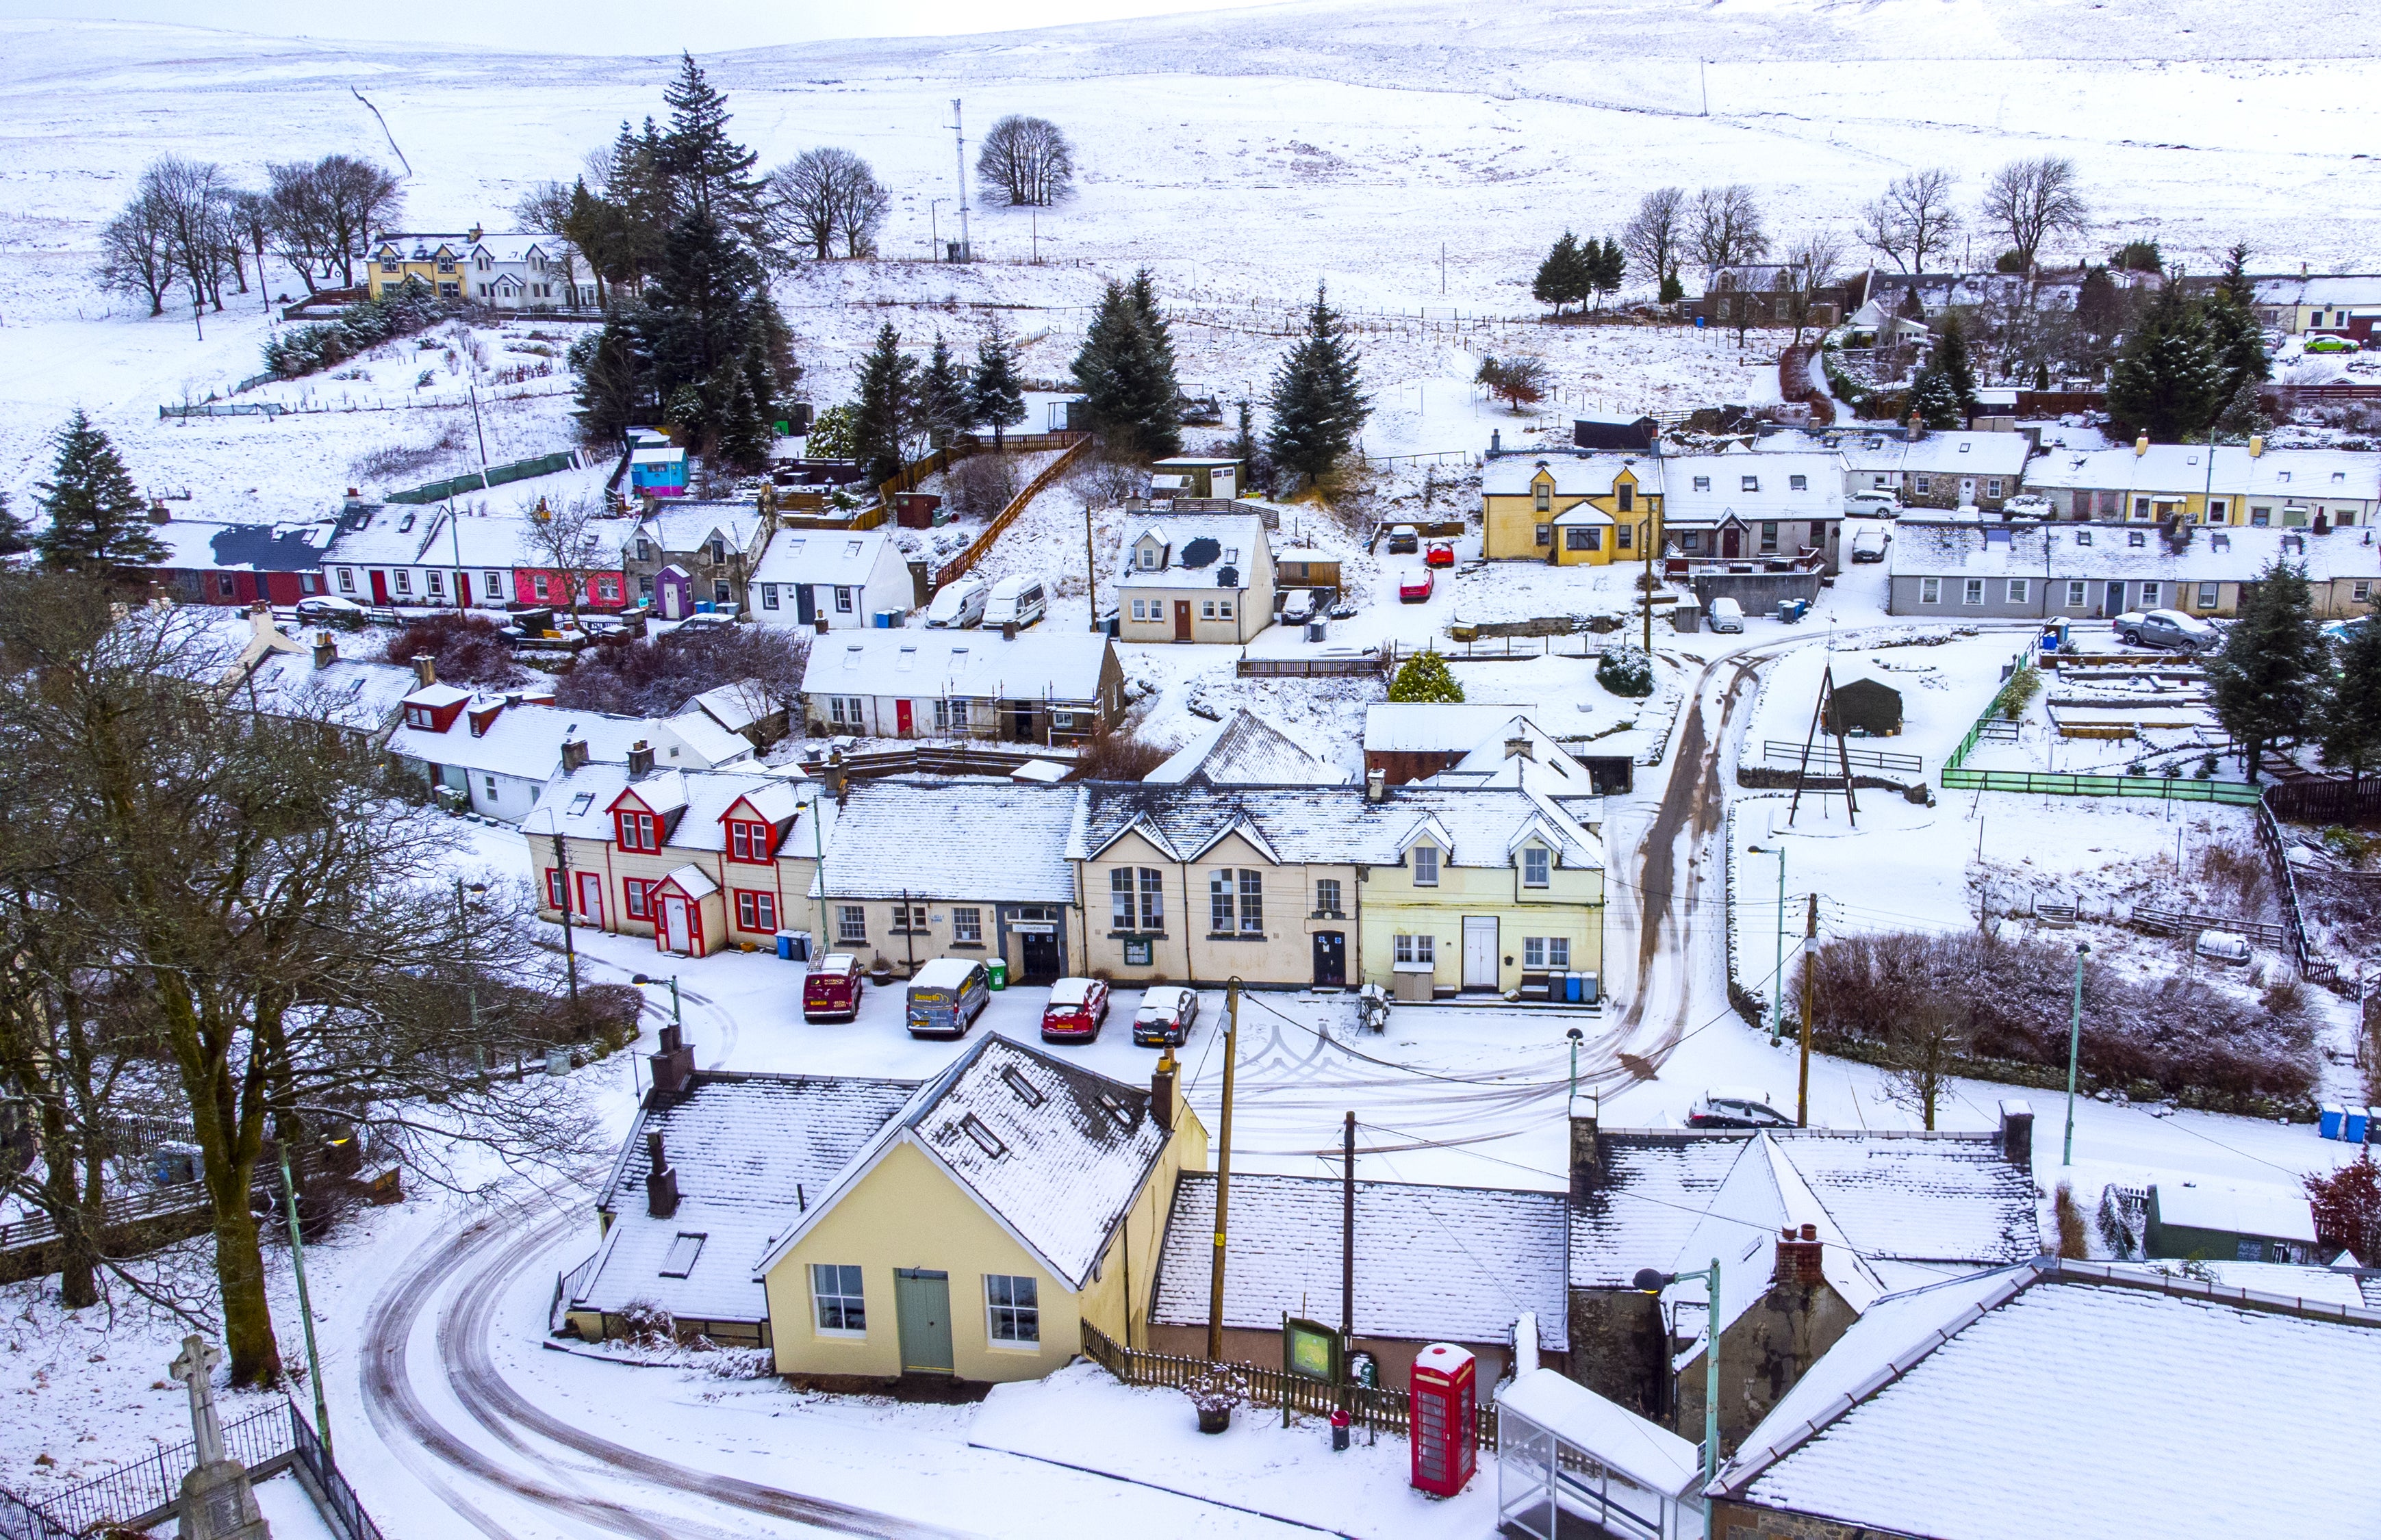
pixel 2167 628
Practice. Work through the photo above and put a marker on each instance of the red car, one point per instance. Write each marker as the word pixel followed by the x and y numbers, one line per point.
pixel 1438 553
pixel 1414 587
pixel 831 991
pixel 1077 1010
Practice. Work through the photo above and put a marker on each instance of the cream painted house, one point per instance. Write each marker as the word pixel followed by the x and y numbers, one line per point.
pixel 1195 577
pixel 1014 1199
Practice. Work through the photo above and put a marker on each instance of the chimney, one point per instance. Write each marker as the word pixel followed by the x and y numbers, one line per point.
pixel 661 1179
pixel 2140 445
pixel 838 779
pixel 1496 441
pixel 1799 1256
pixel 1917 427
pixel 574 755
pixel 2017 1133
pixel 641 759
pixel 1376 785
pixel 1586 1150
pixel 673 1065
pixel 426 670
pixel 2256 446
pixel 475 234
pixel 1161 1092
pixel 1520 747
pixel 326 652
pixel 158 513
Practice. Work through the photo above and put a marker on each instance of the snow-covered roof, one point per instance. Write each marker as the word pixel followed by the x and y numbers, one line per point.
pixel 2274 1213
pixel 750 1149
pixel 212 544
pixel 1325 825
pixel 692 881
pixel 510 246
pixel 524 741
pixel 1948 548
pixel 1645 1452
pixel 738 707
pixel 1238 541
pixel 2286 475
pixel 1770 494
pixel 1574 475
pixel 842 557
pixel 383 534
pixel 2124 1401
pixel 1957 454
pixel 1946 1197
pixel 579 803
pixel 982 841
pixel 706 738
pixel 1436 727
pixel 1545 767
pixel 2285 1281
pixel 687 524
pixel 348 692
pixel 1455 1263
pixel 1054 1152
pixel 2331 289
pixel 921 664
pixel 1244 750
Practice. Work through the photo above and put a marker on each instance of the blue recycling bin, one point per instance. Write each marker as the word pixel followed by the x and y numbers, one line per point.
pixel 2331 1120
pixel 1570 988
pixel 2357 1127
pixel 785 946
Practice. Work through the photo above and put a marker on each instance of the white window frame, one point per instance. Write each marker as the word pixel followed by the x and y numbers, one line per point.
pixel 838 1302
pixel 2018 588
pixel 1533 951
pixel 404 582
pixel 851 924
pixel 966 925
pixel 2076 594
pixel 1425 865
pixel 843 600
pixel 346 579
pixel 1557 951
pixel 1930 591
pixel 1973 592
pixel 2210 595
pixel 1012 1301
pixel 768 595
pixel 1538 866
pixel 2150 596
pixel 1326 896
pixel 1417 948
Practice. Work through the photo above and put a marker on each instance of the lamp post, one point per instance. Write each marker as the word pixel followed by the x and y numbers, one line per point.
pixel 2074 1050
pixel 306 1310
pixel 1653 1281
pixel 1777 976
pixel 677 1018
pixel 1574 1035
pixel 470 979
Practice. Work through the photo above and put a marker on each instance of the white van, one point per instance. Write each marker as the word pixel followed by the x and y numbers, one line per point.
pixel 1017 601
pixel 1726 615
pixel 958 604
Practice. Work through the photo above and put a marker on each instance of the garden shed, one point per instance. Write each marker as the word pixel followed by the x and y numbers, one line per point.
pixel 1864 706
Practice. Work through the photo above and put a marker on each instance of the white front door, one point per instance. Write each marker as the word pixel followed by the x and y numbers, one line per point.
pixel 591 899
pixel 1480 969
pixel 1967 489
pixel 676 935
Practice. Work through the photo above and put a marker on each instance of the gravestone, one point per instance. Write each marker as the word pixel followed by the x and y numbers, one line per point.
pixel 216 1503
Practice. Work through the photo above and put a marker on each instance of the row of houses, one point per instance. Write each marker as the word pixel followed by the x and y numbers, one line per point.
pixel 1956 569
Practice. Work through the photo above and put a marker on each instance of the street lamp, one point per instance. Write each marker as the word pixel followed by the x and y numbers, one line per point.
pixel 1653 1281
pixel 676 1019
pixel 1575 1036
pixel 471 978
pixel 2074 1050
pixel 1777 977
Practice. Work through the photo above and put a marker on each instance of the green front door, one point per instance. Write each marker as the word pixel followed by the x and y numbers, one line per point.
pixel 922 1299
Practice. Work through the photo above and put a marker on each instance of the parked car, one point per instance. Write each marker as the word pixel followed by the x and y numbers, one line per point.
pixel 1166 1014
pixel 2330 345
pixel 959 603
pixel 2167 628
pixel 1297 606
pixel 1403 538
pixel 694 623
pixel 1726 615
pixel 946 996
pixel 1872 505
pixel 1736 1108
pixel 1868 543
pixel 1015 601
pixel 1415 586
pixel 1439 553
pixel 329 609
pixel 832 991
pixel 1077 1009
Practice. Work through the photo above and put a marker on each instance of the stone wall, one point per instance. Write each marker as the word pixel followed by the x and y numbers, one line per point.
pixel 1762 1355
pixel 1616 1348
pixel 1736 1520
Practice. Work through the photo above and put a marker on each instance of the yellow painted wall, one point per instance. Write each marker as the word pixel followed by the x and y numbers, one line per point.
pixel 1571 905
pixel 1509 524
pixel 1187 950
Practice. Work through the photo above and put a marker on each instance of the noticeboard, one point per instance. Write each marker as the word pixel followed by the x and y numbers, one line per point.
pixel 1310 1351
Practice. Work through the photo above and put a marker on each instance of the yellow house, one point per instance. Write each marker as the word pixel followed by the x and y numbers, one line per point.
pixel 435 260
pixel 1572 510
pixel 1015 1197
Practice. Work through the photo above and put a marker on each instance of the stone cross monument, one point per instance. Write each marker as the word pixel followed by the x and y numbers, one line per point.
pixel 217 1503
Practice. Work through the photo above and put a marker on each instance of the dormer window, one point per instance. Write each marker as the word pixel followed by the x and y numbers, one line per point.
pixel 1536 862
pixel 639 831
pixel 748 841
pixel 1425 865
pixel 1545 494
pixel 1703 484
pixel 417 716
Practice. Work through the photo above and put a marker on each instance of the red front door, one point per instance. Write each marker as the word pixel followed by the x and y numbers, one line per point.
pixel 1182 619
pixel 462 591
pixel 901 718
pixel 1731 543
pixel 380 586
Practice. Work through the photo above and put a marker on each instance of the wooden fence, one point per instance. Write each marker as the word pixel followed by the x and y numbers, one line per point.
pixel 1383 1410
pixel 960 565
pixel 1312 668
pixel 2324 801
pixel 2177 921
pixel 1823 757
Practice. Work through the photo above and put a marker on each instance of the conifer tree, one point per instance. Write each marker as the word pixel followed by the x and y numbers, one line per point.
pixel 1317 398
pixel 97 518
pixel 1672 290
pixel 15 538
pixel 1609 269
pixel 1935 400
pixel 881 415
pixel 2236 284
pixel 709 173
pixel 1426 677
pixel 2237 342
pixel 1951 361
pixel 2243 417
pixel 996 394
pixel 1126 372
pixel 743 436
pixel 2268 683
pixel 942 397
pixel 2352 713
pixel 2168 382
pixel 1560 280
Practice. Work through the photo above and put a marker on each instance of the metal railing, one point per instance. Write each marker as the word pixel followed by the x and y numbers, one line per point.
pixel 1381 1410
pixel 1825 758
pixel 142 1492
pixel 2276 850
pixel 334 1499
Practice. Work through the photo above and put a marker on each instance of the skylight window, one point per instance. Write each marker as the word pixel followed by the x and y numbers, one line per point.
pixel 986 1140
pixel 1113 1105
pixel 581 803
pixel 1027 1092
pixel 851 547
pixel 682 1253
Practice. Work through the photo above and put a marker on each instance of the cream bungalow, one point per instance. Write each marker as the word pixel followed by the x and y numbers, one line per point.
pixel 1195 577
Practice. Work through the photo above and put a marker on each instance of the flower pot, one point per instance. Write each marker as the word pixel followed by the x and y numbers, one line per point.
pixel 1214 1418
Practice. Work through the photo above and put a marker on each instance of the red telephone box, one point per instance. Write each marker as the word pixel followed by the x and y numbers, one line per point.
pixel 1443 1423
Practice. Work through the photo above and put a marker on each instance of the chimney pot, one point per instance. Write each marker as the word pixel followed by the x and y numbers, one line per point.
pixel 2140 445
pixel 1376 785
pixel 1161 1093
pixel 326 652
pixel 1810 1232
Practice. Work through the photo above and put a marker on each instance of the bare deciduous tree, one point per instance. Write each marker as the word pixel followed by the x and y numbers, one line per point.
pixel 135 257
pixel 1922 1052
pixel 1726 228
pixel 1810 266
pixel 823 195
pixel 2032 200
pixel 572 541
pixel 1028 160
pixel 547 209
pixel 1913 218
pixel 357 199
pixel 189 200
pixel 1657 233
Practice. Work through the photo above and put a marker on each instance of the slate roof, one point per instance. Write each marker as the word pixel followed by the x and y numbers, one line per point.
pixel 1435 727
pixel 1959 454
pixel 923 663
pixel 2285 475
pixel 524 741
pixel 1574 475
pixel 749 1150
pixel 206 544
pixel 1245 750
pixel 1820 496
pixel 351 693
pixel 1456 1263
pixel 2337 289
pixel 707 795
pixel 845 558
pixel 1327 826
pixel 965 841
pixel 1951 549
pixel 2131 1407
pixel 1240 538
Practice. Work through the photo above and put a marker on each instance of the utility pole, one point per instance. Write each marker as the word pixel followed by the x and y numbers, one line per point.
pixel 959 137
pixel 1777 971
pixel 1223 1171
pixel 1091 567
pixel 1704 81
pixel 569 952
pixel 1034 222
pixel 934 228
pixel 1810 955
pixel 1442 270
pixel 1646 538
pixel 2074 1051
pixel 1347 1251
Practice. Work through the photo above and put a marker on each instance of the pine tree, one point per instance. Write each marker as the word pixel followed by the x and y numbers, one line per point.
pixel 2267 682
pixel 743 436
pixel 1317 399
pixel 996 394
pixel 2236 284
pixel 1244 438
pixel 612 370
pixel 2099 308
pixel 15 537
pixel 2168 382
pixel 1672 290
pixel 942 397
pixel 1426 677
pixel 881 415
pixel 1126 372
pixel 2351 731
pixel 1609 269
pixel 2243 417
pixel 1951 361
pixel 710 173
pixel 1935 400
pixel 1557 283
pixel 97 518
pixel 2237 342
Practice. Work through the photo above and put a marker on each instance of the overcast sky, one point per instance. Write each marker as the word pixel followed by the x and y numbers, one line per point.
pixel 607 26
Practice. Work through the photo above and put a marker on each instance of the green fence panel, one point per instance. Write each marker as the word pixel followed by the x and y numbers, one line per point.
pixel 496 475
